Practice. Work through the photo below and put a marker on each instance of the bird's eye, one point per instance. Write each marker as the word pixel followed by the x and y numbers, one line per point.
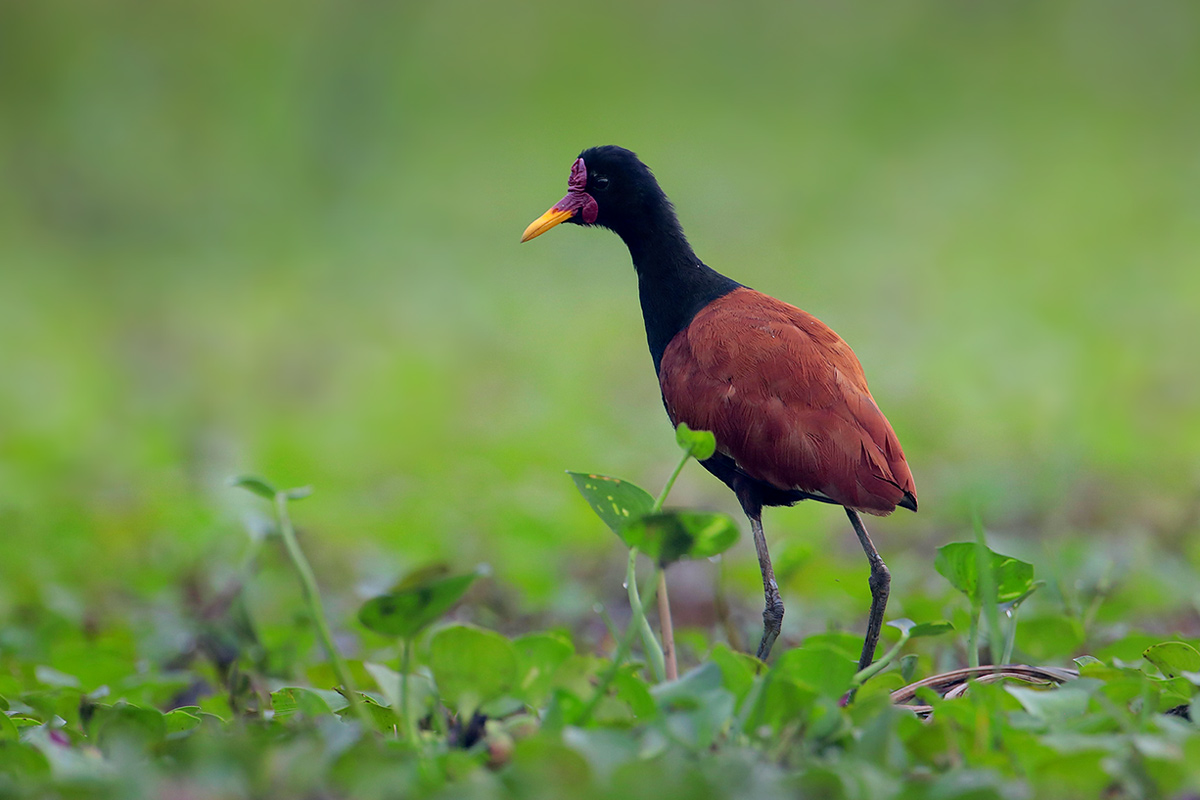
pixel 601 182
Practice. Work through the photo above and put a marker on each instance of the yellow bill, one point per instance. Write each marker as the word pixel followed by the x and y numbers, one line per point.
pixel 547 221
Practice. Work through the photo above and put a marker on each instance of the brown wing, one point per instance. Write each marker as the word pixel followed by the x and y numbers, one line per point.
pixel 787 400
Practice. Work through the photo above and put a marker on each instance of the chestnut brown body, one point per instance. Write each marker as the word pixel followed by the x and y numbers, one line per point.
pixel 787 400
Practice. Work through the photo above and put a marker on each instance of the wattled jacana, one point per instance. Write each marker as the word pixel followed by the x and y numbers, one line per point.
pixel 783 394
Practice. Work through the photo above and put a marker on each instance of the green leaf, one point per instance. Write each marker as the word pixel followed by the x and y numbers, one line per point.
pixel 632 690
pixel 414 604
pixel 700 445
pixel 737 669
pixel 615 501
pixel 539 655
pixel 690 685
pixel 825 669
pixel 472 665
pixel 1173 658
pixel 908 667
pixel 382 717
pixel 930 629
pixel 256 485
pixel 604 749
pixel 388 681
pixel 1074 772
pixel 126 723
pixel 698 727
pixel 22 762
pixel 783 700
pixel 24 721
pixel 1053 706
pixel 669 536
pixel 957 563
pixel 181 721
pixel 543 766
pixel 421 693
pixel 1015 603
pixel 292 700
pixel 8 731
pixel 423 575
pixel 695 707
pixel 298 493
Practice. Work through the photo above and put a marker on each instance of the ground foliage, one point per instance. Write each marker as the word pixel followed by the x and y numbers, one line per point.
pixel 451 709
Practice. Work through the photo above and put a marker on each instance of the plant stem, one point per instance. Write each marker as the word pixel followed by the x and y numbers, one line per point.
pixel 664 660
pixel 406 720
pixel 1010 610
pixel 988 592
pixel 654 653
pixel 308 583
pixel 973 639
pixel 662 497
pixel 609 625
pixel 1010 638
pixel 878 666
pixel 668 628
pixel 618 658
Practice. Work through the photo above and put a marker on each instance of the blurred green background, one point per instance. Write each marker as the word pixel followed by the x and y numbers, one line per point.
pixel 281 238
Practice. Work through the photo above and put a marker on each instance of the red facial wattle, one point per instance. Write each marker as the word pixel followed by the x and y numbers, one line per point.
pixel 577 202
pixel 577 199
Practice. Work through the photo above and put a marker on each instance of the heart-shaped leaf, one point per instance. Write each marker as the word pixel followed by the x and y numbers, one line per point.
pixel 700 445
pixel 737 669
pixel 416 602
pixel 615 501
pixel 824 669
pixel 1173 658
pixel 957 562
pixel 669 536
pixel 539 655
pixel 472 665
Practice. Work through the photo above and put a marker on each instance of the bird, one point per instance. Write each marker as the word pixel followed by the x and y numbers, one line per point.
pixel 784 396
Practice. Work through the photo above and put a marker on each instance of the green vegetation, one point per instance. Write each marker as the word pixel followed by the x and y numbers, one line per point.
pixel 281 239
pixel 495 716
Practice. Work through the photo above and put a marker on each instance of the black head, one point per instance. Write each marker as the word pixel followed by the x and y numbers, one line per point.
pixel 610 187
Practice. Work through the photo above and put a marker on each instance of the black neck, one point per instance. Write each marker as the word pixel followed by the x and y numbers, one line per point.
pixel 672 282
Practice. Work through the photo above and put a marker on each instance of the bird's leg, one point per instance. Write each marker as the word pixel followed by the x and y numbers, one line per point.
pixel 880 582
pixel 773 612
pixel 751 500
